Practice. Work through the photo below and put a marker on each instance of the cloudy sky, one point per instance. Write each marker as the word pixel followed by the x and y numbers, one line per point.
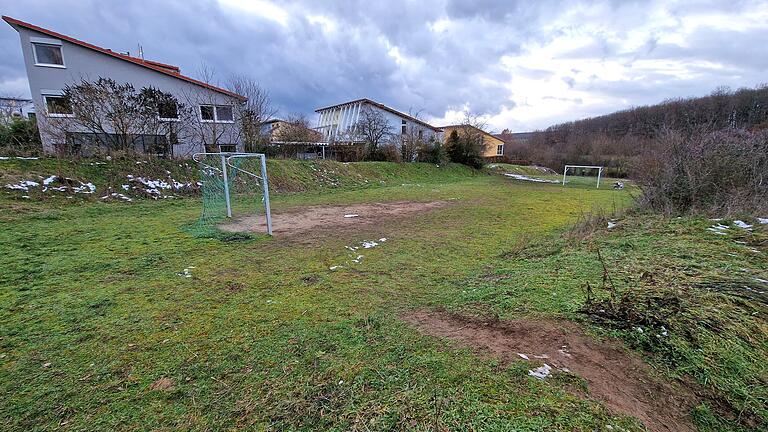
pixel 522 65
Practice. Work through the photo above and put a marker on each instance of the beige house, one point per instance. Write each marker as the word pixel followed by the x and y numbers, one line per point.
pixel 493 147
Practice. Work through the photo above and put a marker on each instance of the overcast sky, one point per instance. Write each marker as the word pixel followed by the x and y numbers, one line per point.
pixel 522 64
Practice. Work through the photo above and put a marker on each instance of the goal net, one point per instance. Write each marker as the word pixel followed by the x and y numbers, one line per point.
pixel 584 174
pixel 235 193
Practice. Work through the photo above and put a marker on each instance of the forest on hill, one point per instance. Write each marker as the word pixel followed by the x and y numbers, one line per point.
pixel 615 140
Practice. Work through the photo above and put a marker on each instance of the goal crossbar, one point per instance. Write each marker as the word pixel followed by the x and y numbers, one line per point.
pixel 226 164
pixel 599 172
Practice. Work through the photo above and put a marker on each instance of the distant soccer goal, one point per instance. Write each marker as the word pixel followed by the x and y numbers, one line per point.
pixel 235 191
pixel 580 169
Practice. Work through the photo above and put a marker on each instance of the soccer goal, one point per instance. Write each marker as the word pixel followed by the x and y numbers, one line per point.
pixel 579 169
pixel 235 191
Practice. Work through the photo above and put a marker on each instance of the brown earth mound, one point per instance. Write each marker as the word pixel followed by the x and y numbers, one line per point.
pixel 322 217
pixel 614 376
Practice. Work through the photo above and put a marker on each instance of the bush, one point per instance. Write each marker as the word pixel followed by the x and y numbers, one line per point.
pixel 719 172
pixel 434 152
pixel 20 137
pixel 466 150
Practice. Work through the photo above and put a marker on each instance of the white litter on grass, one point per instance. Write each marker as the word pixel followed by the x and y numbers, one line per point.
pixel 351 215
pixel 540 372
pixel 530 179
pixel 742 224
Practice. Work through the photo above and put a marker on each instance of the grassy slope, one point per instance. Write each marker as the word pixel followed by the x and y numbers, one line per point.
pixel 265 335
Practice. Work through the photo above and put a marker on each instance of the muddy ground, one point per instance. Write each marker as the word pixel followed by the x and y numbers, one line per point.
pixel 616 377
pixel 311 218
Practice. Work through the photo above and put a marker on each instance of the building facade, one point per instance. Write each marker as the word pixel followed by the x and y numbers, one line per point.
pixel 493 147
pixel 15 108
pixel 54 61
pixel 340 123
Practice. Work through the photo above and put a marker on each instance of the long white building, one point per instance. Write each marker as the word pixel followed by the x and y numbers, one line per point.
pixel 339 122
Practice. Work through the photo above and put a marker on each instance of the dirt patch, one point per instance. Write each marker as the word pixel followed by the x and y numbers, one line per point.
pixel 162 384
pixel 614 376
pixel 323 217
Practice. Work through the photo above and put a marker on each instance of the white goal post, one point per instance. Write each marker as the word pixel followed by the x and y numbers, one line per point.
pixel 229 162
pixel 598 168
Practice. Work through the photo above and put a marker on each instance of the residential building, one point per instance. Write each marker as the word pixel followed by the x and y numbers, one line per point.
pixel 12 108
pixel 54 61
pixel 340 122
pixel 493 147
pixel 295 131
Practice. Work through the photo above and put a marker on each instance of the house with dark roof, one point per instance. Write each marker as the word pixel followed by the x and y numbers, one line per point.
pixel 54 61
pixel 339 123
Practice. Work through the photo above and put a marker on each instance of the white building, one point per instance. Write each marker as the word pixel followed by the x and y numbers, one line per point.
pixel 11 108
pixel 339 122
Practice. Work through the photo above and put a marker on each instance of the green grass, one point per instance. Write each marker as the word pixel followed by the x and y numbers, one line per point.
pixel 264 336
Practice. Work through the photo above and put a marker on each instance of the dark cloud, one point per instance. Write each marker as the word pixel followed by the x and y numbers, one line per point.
pixel 504 59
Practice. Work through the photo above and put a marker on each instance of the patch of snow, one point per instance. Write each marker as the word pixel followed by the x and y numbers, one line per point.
pixel 530 179
pixel 358 259
pixel 611 224
pixel 383 239
pixel 369 244
pixel 50 180
pixel 743 225
pixel 757 279
pixel 186 273
pixel 523 356
pixel 120 196
pixel 762 221
pixel 541 372
pixel 351 215
pixel 23 185
pixel 332 268
pixel 718 229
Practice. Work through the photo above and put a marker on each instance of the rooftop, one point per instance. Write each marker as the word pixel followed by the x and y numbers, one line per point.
pixel 385 108
pixel 163 68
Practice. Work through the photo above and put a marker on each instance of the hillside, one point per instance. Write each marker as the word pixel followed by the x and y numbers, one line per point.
pixel 128 179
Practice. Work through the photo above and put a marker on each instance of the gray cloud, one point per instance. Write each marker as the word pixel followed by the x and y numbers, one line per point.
pixel 431 56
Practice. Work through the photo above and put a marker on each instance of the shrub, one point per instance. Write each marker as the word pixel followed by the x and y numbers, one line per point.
pixel 466 149
pixel 20 137
pixel 718 172
pixel 434 152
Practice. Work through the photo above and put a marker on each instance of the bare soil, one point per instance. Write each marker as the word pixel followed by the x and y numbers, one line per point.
pixel 311 218
pixel 616 377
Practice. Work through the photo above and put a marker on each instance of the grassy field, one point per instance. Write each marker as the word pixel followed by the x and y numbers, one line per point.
pixel 102 329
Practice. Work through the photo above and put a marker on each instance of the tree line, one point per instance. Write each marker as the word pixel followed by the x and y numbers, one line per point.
pixel 616 140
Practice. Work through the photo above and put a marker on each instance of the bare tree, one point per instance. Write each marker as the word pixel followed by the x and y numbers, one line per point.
pixel 255 111
pixel 296 129
pixel 374 129
pixel 109 115
pixel 412 140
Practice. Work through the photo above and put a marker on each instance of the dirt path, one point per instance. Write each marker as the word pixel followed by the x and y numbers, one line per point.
pixel 615 377
pixel 323 217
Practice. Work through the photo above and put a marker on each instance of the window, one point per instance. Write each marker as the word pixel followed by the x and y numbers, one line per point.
pixel 216 113
pixel 500 150
pixel 227 148
pixel 48 55
pixel 224 114
pixel 58 106
pixel 403 129
pixel 168 110
pixel 207 113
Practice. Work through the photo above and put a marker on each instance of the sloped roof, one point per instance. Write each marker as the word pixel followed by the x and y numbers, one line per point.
pixel 385 108
pixel 461 126
pixel 162 68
